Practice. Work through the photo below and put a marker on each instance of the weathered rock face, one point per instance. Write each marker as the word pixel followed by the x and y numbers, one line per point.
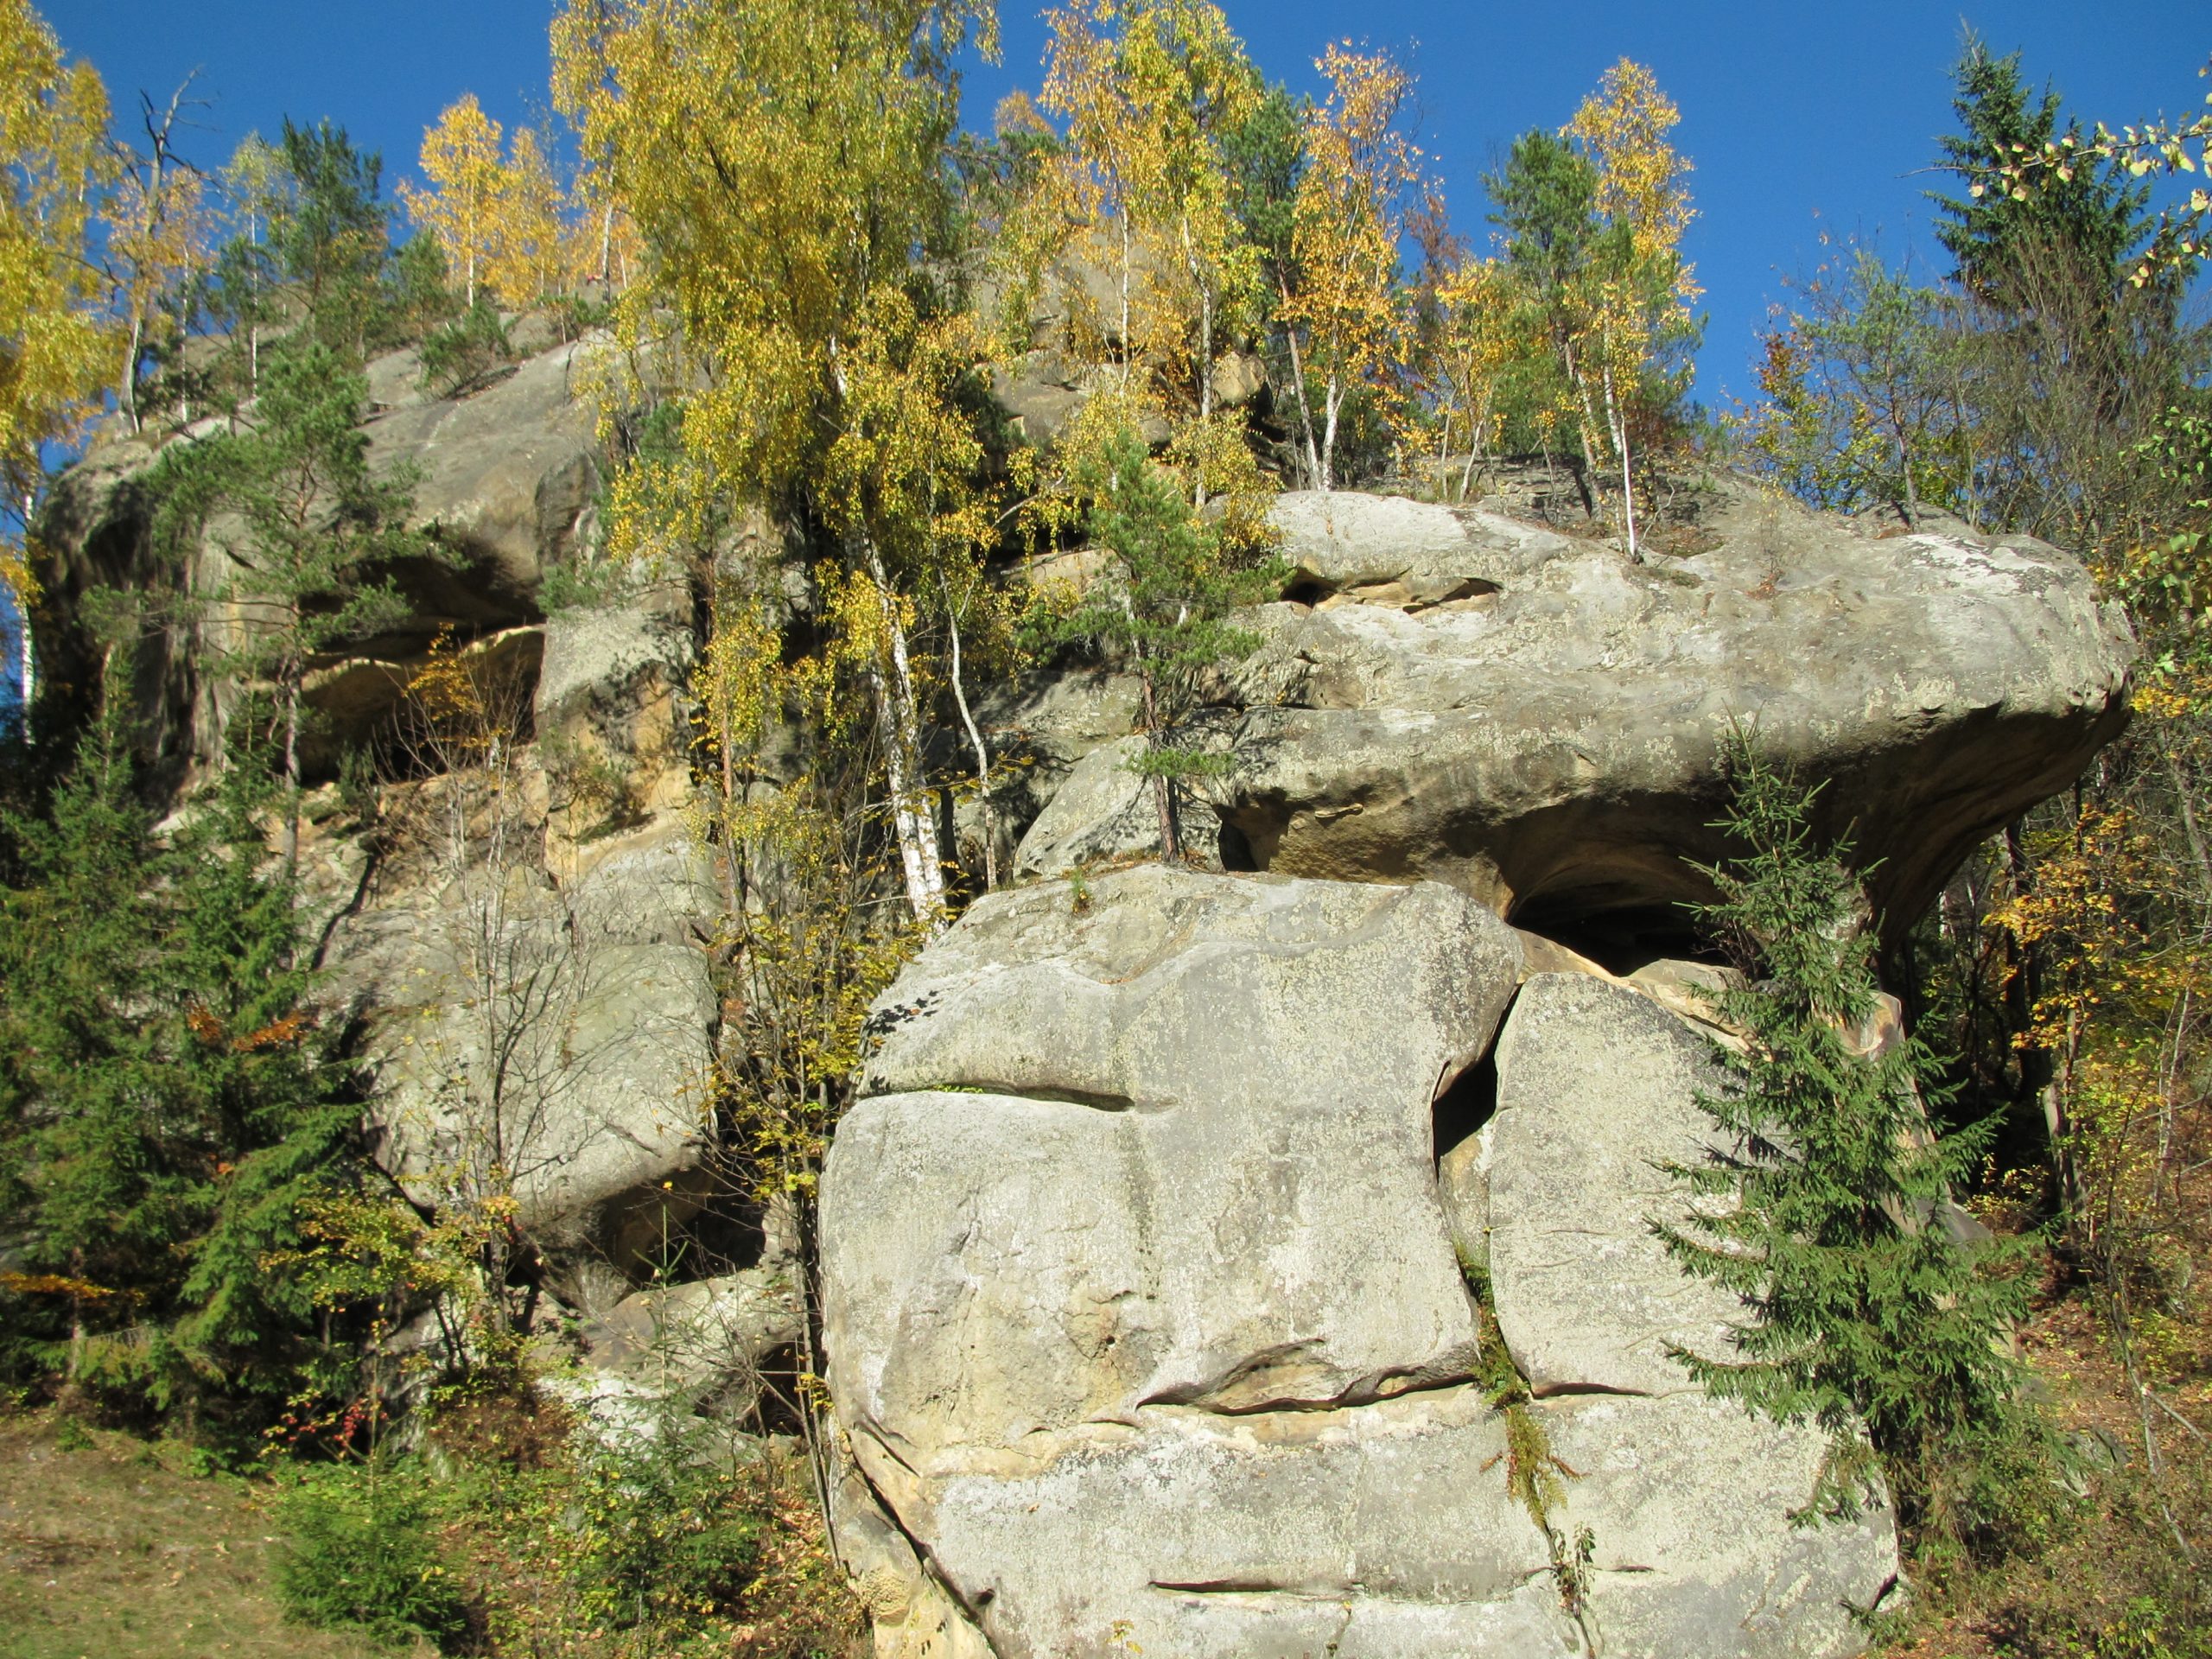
pixel 554 1031
pixel 1540 721
pixel 506 478
pixel 507 475
pixel 525 959
pixel 1161 1062
pixel 1597 1089
pixel 1143 1318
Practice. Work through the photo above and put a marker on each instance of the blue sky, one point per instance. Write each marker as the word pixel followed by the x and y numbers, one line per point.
pixel 1798 118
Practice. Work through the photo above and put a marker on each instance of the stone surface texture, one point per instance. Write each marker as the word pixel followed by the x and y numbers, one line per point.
pixel 1597 1091
pixel 1539 721
pixel 1143 1321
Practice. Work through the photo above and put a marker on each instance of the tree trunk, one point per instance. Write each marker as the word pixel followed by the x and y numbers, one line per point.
pixel 1617 419
pixel 1333 400
pixel 26 662
pixel 919 856
pixel 1205 332
pixel 1904 467
pixel 1305 406
pixel 1163 794
pixel 2190 826
pixel 1474 445
pixel 130 368
pixel 982 760
pixel 1127 257
pixel 291 774
pixel 1586 417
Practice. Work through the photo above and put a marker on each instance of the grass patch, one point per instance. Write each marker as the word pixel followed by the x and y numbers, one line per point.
pixel 532 1544
pixel 120 1548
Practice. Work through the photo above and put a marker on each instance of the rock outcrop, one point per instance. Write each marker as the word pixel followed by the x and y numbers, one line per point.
pixel 1148 1254
pixel 1540 721
pixel 1144 1320
pixel 506 478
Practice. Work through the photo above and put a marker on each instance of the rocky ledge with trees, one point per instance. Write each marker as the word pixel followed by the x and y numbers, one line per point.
pixel 856 849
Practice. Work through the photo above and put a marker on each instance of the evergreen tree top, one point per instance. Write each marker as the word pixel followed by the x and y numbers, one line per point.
pixel 2096 215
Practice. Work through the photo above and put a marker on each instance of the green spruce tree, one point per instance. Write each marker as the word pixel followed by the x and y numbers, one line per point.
pixel 1827 1216
pixel 2094 218
pixel 312 529
pixel 169 1103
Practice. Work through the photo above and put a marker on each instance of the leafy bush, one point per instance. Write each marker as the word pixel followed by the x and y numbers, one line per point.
pixel 359 1554
pixel 465 351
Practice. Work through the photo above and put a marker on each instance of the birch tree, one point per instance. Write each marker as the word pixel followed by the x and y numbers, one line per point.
pixel 158 236
pixel 783 163
pixel 256 185
pixel 1477 340
pixel 460 206
pixel 1639 290
pixel 53 335
pixel 1148 90
pixel 527 263
pixel 1350 212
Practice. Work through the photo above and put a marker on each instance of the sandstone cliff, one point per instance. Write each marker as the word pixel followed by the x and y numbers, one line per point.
pixel 1144 1299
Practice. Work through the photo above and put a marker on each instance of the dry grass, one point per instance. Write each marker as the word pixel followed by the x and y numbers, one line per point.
pixel 115 1550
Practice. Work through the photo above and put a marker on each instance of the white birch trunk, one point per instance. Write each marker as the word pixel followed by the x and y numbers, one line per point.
pixel 982 761
pixel 921 860
pixel 1333 400
pixel 1616 421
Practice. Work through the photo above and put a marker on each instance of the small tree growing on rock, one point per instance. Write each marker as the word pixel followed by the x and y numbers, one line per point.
pixel 309 526
pixel 1163 603
pixel 1826 1218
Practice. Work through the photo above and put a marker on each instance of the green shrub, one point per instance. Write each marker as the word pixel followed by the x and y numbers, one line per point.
pixel 459 355
pixel 359 1554
pixel 670 1527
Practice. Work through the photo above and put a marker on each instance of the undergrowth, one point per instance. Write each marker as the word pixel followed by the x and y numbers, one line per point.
pixel 673 1538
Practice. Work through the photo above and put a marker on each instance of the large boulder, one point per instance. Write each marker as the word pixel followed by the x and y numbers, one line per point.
pixel 1144 1324
pixel 705 1343
pixel 507 476
pixel 1596 1094
pixel 560 1031
pixel 1541 721
pixel 1181 1067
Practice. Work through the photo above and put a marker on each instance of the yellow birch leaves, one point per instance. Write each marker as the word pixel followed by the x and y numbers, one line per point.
pixel 1641 294
pixel 53 336
pixel 1349 216
pixel 1623 127
pixel 498 220
pixel 460 159
pixel 1146 87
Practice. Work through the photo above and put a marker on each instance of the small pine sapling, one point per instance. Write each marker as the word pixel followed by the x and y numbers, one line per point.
pixel 1864 1315
pixel 1163 603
